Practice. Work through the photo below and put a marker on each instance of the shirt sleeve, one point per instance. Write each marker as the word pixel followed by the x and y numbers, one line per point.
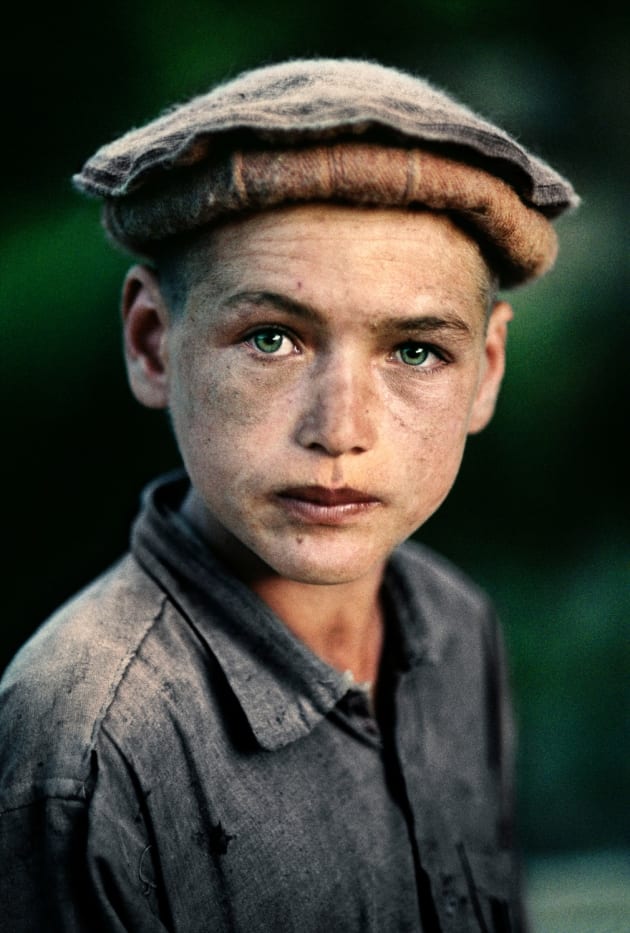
pixel 77 858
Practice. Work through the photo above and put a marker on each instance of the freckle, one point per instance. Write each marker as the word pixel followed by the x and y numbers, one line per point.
pixel 299 284
pixel 299 539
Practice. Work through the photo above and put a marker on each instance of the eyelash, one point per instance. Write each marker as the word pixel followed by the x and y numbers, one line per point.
pixel 278 330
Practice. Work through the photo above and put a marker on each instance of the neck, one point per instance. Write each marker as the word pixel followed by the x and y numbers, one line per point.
pixel 342 624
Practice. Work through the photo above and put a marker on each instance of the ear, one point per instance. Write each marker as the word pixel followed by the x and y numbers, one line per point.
pixel 146 326
pixel 493 367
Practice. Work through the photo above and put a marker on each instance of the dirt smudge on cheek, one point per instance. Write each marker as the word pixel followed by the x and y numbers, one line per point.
pixel 235 399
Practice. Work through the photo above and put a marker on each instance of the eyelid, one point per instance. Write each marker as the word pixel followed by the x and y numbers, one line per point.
pixel 426 344
pixel 271 325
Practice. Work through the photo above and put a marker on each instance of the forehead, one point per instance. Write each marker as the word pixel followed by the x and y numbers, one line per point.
pixel 332 253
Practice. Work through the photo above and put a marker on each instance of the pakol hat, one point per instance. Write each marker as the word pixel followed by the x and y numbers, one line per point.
pixel 345 131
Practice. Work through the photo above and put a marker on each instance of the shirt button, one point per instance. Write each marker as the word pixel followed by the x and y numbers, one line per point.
pixel 450 905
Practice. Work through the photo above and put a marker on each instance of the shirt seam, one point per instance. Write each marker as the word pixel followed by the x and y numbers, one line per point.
pixel 81 801
pixel 103 712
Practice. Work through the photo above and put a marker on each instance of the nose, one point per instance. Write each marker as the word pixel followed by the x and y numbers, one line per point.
pixel 339 414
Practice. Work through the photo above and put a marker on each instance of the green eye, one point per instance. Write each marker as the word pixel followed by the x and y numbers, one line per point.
pixel 413 354
pixel 269 341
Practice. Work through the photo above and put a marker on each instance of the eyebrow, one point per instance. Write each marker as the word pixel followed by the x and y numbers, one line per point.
pixel 447 321
pixel 280 302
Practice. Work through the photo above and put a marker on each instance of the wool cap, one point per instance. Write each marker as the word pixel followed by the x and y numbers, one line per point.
pixel 346 131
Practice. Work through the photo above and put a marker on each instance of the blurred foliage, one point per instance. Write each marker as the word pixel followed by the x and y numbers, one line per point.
pixel 539 514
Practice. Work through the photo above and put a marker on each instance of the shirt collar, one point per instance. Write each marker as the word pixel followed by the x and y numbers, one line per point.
pixel 284 689
pixel 419 589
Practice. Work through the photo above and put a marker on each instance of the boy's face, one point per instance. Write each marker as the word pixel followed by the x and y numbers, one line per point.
pixel 322 380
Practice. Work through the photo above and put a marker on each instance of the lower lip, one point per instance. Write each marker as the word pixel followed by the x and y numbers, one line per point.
pixel 314 513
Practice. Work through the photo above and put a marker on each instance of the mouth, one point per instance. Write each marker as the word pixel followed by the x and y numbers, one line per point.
pixel 326 506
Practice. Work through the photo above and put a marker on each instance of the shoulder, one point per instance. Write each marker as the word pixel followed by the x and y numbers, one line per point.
pixel 60 685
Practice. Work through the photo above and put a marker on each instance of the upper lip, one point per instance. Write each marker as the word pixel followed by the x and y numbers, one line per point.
pixel 324 495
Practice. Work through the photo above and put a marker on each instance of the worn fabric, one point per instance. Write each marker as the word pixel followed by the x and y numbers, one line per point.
pixel 518 240
pixel 171 758
pixel 322 129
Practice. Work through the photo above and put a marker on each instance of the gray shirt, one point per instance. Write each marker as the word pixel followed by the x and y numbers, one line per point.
pixel 172 758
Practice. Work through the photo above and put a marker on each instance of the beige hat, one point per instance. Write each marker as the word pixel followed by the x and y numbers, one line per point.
pixel 329 130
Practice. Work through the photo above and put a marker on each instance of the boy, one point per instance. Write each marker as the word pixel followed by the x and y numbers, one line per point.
pixel 273 713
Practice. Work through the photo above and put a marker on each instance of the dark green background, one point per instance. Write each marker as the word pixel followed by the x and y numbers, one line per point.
pixel 539 515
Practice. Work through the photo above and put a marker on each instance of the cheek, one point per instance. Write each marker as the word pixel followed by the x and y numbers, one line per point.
pixel 220 414
pixel 427 441
pixel 432 416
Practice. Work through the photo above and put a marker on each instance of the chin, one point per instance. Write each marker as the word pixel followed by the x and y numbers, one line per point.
pixel 323 567
pixel 324 576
